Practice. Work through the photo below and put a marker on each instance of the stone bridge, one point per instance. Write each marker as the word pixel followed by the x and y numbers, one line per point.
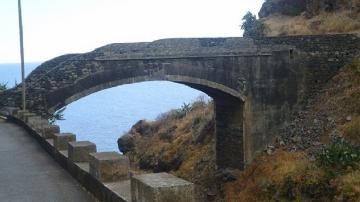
pixel 255 84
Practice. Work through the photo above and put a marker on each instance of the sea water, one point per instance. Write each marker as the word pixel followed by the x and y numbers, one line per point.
pixel 104 116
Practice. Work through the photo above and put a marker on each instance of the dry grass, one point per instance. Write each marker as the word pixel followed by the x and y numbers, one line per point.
pixel 185 145
pixel 341 96
pixel 336 22
pixel 351 130
pixel 348 187
pixel 282 176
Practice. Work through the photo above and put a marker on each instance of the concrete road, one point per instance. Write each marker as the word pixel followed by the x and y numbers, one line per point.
pixel 29 174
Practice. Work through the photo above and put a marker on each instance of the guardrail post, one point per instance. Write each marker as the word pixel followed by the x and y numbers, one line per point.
pixel 161 187
pixel 50 130
pixel 109 166
pixel 61 140
pixel 79 151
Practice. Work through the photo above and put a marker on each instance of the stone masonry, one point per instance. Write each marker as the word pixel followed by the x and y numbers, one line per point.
pixel 256 84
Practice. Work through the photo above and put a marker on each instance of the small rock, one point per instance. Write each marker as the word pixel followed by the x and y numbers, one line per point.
pixel 316 143
pixel 348 118
pixel 282 143
pixel 296 139
pixel 225 175
pixel 312 158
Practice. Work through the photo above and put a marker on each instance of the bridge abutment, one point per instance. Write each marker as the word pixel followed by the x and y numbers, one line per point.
pixel 229 133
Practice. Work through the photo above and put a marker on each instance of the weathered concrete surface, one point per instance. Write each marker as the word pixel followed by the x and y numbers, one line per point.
pixel 109 166
pixel 258 82
pixel 61 140
pixel 79 151
pixel 161 187
pixel 28 173
pixel 50 130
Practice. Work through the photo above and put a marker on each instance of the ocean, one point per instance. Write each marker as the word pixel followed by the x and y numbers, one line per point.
pixel 104 116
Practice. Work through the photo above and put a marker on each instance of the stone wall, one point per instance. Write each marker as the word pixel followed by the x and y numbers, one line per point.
pixel 106 175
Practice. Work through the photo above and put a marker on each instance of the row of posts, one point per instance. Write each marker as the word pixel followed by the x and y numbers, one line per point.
pixel 108 167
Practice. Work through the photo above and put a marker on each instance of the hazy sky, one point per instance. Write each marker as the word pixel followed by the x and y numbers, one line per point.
pixel 56 27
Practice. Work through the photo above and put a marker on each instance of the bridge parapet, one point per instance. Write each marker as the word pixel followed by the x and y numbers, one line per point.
pixel 170 48
pixel 104 174
pixel 79 151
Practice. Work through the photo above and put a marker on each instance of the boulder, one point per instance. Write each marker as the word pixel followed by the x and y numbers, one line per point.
pixel 126 143
pixel 284 7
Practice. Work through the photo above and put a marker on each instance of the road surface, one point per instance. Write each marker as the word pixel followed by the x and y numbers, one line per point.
pixel 29 174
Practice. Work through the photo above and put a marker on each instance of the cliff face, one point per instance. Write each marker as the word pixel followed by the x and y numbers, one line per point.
pixel 303 17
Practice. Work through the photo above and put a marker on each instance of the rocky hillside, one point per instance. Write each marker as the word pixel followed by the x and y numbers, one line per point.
pixel 302 17
pixel 181 142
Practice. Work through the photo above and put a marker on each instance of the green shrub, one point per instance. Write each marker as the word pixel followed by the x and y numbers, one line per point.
pixel 58 115
pixel 185 109
pixel 3 86
pixel 339 155
pixel 253 28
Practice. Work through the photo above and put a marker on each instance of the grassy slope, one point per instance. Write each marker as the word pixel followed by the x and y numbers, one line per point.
pixel 341 20
pixel 179 142
pixel 337 22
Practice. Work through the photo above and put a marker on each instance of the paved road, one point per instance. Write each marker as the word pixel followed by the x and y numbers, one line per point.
pixel 29 174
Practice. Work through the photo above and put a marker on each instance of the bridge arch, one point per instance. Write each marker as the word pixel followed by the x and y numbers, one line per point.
pixel 256 84
pixel 214 90
pixel 228 101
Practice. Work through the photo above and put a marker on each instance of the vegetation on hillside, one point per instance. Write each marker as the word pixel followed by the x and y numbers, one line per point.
pixel 301 17
pixel 253 27
pixel 181 142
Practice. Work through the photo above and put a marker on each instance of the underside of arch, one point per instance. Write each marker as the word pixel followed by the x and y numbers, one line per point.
pixel 67 95
pixel 228 103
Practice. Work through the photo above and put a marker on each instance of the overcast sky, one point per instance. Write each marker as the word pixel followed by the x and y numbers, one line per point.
pixel 56 27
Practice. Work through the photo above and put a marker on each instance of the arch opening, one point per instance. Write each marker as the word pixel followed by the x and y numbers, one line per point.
pixel 107 114
pixel 228 114
pixel 82 88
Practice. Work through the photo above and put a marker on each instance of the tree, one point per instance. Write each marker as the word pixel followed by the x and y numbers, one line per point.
pixel 253 28
pixel 3 87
